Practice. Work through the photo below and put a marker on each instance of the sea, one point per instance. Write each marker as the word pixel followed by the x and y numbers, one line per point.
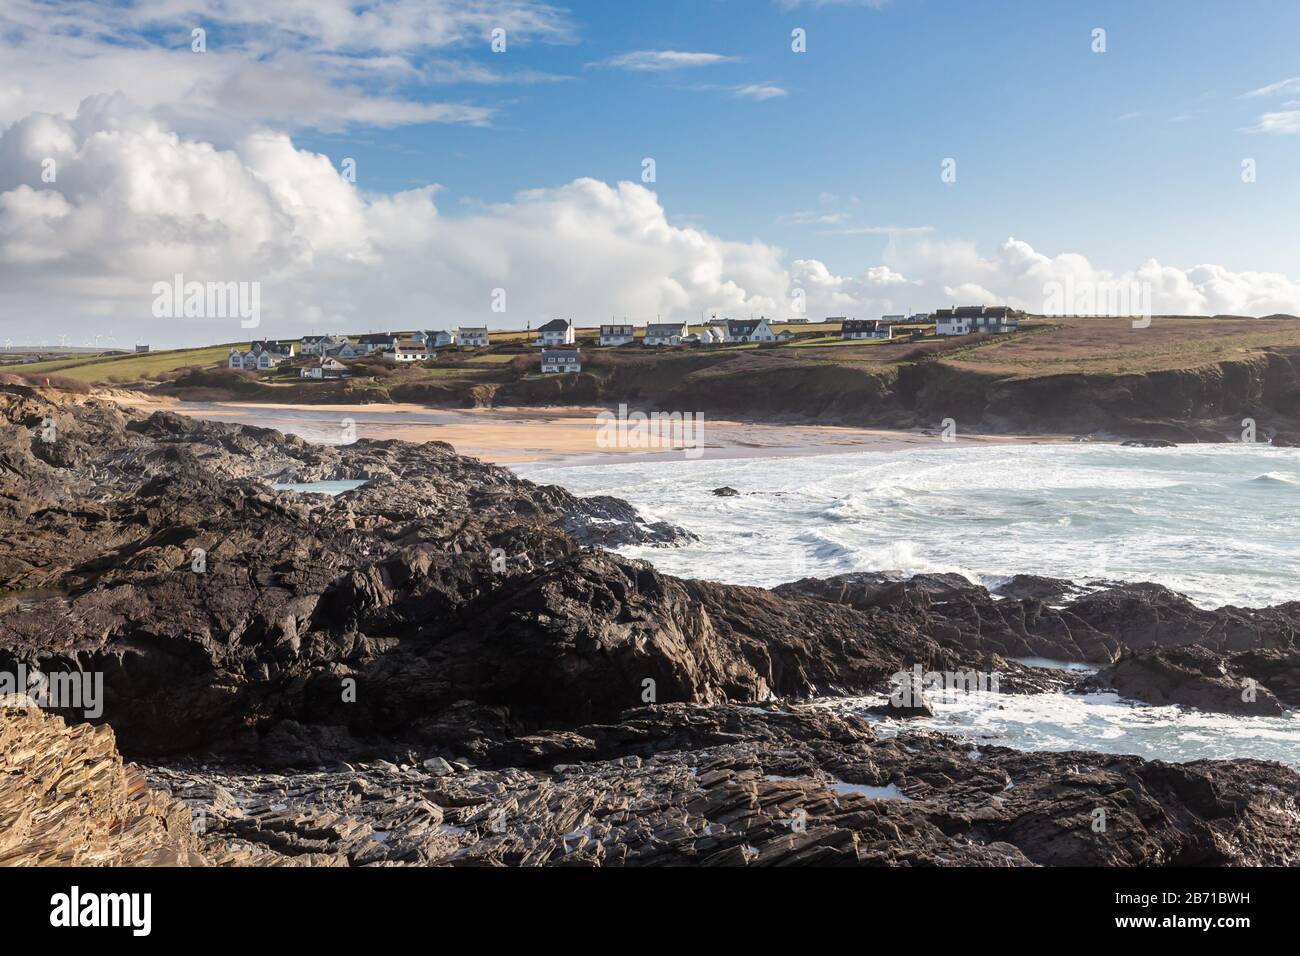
pixel 1219 523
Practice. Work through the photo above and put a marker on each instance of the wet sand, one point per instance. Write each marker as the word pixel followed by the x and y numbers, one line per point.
pixel 570 435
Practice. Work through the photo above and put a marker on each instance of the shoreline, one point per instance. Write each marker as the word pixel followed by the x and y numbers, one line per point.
pixel 555 434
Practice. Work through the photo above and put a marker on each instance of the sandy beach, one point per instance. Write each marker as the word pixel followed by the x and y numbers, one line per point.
pixel 559 434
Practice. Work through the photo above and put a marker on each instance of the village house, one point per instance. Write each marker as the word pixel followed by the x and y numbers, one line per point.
pixel 377 342
pixel 866 329
pixel 408 350
pixel 260 355
pixel 561 360
pixel 617 334
pixel 347 350
pixel 785 335
pixel 666 333
pixel 320 344
pixel 705 336
pixel 473 336
pixel 749 330
pixel 555 332
pixel 325 367
pixel 438 339
pixel 967 319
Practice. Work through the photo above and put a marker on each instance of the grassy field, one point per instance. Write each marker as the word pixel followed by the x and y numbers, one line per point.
pixel 126 368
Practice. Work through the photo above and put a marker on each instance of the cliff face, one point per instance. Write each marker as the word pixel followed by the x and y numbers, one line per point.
pixel 1205 403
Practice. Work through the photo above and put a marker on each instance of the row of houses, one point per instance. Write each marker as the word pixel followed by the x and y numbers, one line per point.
pixel 963 320
pixel 715 332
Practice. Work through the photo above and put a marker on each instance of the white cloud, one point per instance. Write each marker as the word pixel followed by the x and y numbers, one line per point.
pixel 659 60
pixel 326 64
pixel 134 203
pixel 1283 122
pixel 1291 85
pixel 759 91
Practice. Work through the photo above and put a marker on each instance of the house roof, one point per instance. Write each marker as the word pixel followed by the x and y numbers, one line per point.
pixel 473 328
pixel 556 325
pixel 561 353
pixel 743 326
pixel 377 338
pixel 664 328
pixel 859 325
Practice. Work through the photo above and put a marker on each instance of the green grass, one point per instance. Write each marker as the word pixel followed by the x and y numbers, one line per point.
pixel 127 368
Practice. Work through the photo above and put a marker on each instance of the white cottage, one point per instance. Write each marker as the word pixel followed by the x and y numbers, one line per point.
pixel 666 333
pixel 617 334
pixel 749 330
pixel 556 332
pixel 561 360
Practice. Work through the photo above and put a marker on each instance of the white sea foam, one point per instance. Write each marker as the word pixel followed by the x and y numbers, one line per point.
pixel 1103 723
pixel 1217 522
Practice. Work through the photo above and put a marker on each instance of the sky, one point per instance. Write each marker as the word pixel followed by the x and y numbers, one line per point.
pixel 390 165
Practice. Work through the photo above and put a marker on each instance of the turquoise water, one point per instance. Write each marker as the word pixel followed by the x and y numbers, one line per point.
pixel 1220 523
pixel 320 487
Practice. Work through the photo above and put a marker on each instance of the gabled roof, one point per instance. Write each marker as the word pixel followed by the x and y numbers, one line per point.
pixel 742 326
pixel 859 325
pixel 664 328
pixel 377 338
pixel 571 352
pixel 556 325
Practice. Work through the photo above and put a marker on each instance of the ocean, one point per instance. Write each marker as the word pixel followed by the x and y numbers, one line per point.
pixel 1219 523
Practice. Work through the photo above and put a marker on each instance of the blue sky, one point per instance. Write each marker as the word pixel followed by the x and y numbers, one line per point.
pixel 782 179
pixel 1121 155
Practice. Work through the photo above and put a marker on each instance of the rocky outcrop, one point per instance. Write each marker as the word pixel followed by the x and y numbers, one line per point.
pixel 447 638
pixel 68 799
pixel 1190 676
pixel 744 786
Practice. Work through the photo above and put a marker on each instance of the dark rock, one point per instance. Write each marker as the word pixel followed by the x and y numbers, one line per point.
pixel 1038 588
pixel 1190 676
pixel 726 492
pixel 1149 443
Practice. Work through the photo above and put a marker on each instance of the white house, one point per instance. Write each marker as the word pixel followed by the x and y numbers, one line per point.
pixel 408 350
pixel 473 336
pixel 377 342
pixel 666 333
pixel 348 350
pixel 260 355
pixel 326 367
pixel 555 332
pixel 561 360
pixel 705 336
pixel 616 334
pixel 866 329
pixel 320 344
pixel 749 330
pixel 438 339
pixel 975 318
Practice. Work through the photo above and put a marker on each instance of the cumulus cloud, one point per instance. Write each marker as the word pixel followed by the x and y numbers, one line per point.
pixel 133 202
